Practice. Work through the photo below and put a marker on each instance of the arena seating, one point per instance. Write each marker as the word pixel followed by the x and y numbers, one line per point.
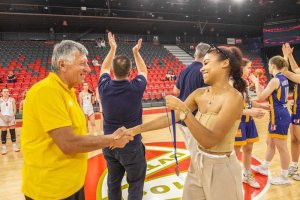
pixel 31 62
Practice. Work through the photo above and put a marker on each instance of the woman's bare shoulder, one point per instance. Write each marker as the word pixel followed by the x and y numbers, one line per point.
pixel 202 90
pixel 235 94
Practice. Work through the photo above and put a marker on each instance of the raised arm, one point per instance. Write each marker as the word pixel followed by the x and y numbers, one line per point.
pixel 288 54
pixel 108 61
pixel 292 76
pixel 263 94
pixel 140 64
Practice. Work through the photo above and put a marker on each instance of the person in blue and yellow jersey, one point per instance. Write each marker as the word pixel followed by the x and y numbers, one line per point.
pixel 247 132
pixel 276 92
pixel 295 126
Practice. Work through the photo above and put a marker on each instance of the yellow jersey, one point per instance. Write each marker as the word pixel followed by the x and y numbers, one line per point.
pixel 47 172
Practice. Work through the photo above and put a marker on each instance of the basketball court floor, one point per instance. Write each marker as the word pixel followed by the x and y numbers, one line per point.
pixel 161 181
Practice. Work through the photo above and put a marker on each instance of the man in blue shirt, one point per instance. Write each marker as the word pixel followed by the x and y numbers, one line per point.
pixel 191 78
pixel 121 101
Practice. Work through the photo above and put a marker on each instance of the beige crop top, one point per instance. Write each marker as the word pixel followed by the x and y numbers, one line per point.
pixel 227 144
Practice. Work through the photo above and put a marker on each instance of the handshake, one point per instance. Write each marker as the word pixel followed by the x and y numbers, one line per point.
pixel 120 138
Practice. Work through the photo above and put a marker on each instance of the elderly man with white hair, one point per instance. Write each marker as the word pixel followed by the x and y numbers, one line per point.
pixel 54 141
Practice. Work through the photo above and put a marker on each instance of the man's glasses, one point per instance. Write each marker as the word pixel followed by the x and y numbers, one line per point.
pixel 214 47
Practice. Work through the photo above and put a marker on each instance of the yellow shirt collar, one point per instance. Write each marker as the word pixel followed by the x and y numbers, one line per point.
pixel 65 86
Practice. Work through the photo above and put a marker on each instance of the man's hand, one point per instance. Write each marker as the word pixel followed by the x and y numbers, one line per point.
pixel 120 138
pixel 137 47
pixel 112 41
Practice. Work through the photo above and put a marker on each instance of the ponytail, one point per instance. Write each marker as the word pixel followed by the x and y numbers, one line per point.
pixel 235 57
pixel 239 84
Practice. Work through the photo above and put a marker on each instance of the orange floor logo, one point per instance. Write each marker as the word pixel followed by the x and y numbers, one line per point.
pixel 161 181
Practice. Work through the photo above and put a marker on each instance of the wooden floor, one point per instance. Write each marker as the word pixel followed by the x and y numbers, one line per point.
pixel 11 165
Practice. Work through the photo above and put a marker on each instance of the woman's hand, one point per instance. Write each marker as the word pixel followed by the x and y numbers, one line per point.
pixel 254 79
pixel 257 113
pixel 174 103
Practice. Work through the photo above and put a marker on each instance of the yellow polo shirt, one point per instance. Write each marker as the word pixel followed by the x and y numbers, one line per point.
pixel 47 172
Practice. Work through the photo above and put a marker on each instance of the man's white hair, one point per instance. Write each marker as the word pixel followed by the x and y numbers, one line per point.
pixel 66 50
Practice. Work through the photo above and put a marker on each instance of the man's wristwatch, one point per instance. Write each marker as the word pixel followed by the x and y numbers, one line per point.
pixel 183 114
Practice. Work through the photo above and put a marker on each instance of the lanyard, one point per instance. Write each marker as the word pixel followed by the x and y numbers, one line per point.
pixel 174 138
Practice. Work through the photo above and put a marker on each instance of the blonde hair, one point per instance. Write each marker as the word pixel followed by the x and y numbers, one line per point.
pixel 279 62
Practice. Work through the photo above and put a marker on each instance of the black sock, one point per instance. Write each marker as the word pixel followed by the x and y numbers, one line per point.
pixel 13 134
pixel 3 136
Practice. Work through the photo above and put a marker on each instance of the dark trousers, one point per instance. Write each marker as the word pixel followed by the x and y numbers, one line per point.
pixel 76 196
pixel 130 160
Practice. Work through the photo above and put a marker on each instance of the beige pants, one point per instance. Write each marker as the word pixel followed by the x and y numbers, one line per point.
pixel 211 177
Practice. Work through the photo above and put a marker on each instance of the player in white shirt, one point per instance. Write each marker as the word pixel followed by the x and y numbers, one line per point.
pixel 86 99
pixel 7 120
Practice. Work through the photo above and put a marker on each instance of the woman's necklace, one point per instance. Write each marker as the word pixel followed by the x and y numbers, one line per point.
pixel 211 99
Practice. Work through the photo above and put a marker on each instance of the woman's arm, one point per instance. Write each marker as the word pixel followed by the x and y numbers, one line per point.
pixel 254 112
pixel 80 99
pixel 162 121
pixel 288 55
pixel 231 111
pixel 263 94
pixel 265 106
pixel 292 76
pixel 21 107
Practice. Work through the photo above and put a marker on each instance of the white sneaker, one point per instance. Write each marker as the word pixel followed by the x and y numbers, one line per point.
pixel 249 179
pixel 260 169
pixel 280 180
pixel 15 148
pixel 296 177
pixel 4 150
pixel 293 170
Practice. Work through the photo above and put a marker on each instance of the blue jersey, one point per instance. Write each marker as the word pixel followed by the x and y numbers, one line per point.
pixel 296 106
pixel 122 103
pixel 278 100
pixel 247 105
